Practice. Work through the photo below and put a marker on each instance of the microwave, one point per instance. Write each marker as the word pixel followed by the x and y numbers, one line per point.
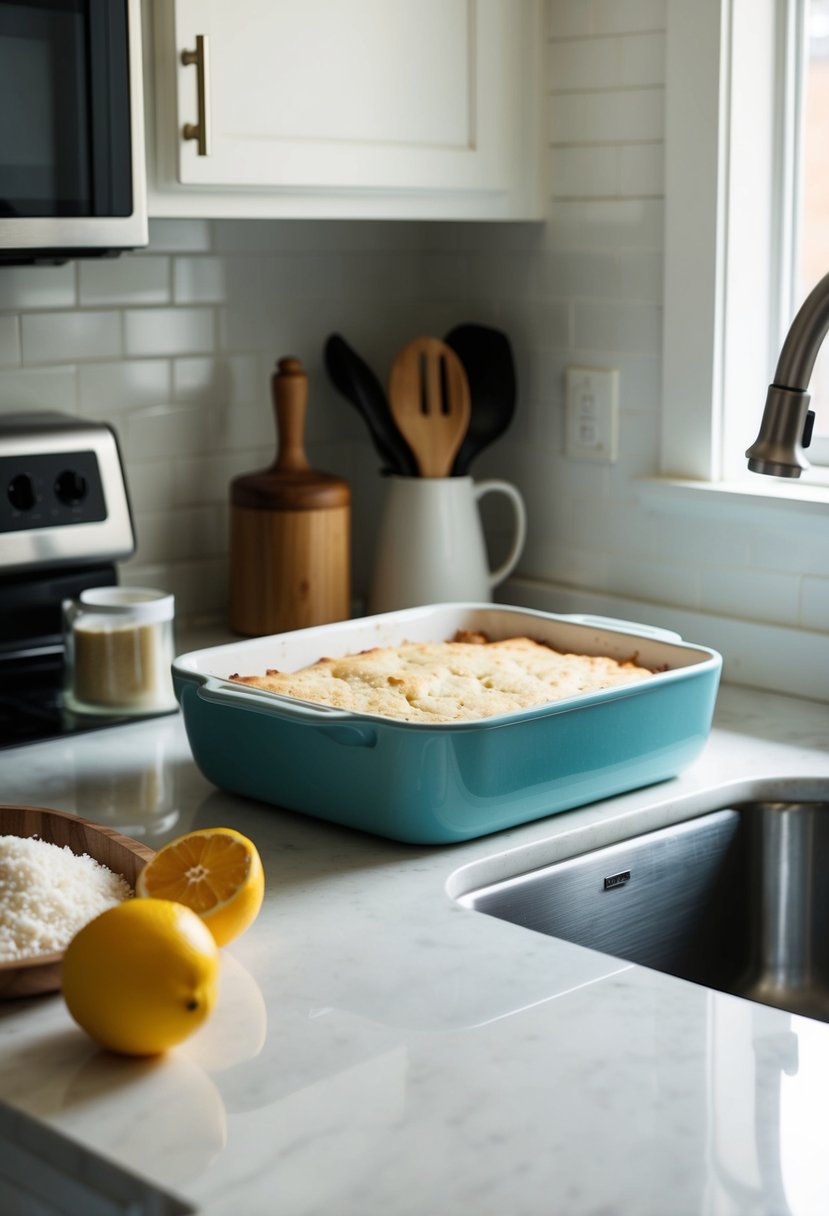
pixel 72 177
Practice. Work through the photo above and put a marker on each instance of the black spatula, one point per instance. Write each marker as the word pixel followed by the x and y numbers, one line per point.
pixel 352 377
pixel 490 369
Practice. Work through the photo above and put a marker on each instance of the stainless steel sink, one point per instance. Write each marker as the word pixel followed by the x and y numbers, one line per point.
pixel 736 899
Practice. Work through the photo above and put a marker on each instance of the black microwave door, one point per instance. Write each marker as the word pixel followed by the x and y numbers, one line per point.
pixel 64 101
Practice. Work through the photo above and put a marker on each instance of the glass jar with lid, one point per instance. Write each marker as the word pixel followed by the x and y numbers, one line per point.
pixel 119 650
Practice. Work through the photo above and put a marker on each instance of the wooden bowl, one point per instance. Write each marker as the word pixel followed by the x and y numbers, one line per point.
pixel 31 977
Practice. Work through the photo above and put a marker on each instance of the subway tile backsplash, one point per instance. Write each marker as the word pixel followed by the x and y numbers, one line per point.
pixel 58 337
pixel 119 282
pixel 175 345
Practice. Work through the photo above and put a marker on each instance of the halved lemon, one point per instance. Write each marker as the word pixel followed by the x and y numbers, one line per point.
pixel 215 871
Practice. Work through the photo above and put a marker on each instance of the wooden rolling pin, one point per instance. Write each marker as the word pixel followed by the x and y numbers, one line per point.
pixel 290 529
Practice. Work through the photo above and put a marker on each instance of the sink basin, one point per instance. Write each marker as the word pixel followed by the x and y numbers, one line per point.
pixel 736 899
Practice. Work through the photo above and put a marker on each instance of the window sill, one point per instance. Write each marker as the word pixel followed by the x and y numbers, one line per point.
pixel 805 503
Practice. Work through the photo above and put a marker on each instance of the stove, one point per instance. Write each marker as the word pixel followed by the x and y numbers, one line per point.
pixel 31 703
pixel 65 520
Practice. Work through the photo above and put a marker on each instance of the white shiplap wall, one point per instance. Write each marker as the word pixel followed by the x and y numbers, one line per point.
pixel 175 346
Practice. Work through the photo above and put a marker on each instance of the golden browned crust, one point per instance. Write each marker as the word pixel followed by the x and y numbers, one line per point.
pixel 462 680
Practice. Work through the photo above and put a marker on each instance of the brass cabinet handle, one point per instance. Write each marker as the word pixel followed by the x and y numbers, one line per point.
pixel 200 130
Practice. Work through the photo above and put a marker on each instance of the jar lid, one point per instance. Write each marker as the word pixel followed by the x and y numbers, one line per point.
pixel 140 603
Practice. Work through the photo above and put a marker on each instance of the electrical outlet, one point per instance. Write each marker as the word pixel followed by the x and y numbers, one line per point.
pixel 592 413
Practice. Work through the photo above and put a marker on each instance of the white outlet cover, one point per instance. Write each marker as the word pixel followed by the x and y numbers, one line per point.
pixel 592 413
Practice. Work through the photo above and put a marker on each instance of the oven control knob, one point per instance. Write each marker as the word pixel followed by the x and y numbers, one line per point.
pixel 70 487
pixel 22 492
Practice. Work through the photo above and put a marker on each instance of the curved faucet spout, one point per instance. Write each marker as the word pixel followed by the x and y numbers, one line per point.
pixel 786 428
pixel 804 339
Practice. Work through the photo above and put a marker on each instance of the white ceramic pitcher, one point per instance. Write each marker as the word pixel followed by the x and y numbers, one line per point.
pixel 431 547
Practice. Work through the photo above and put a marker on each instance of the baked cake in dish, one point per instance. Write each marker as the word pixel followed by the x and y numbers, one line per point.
pixel 461 680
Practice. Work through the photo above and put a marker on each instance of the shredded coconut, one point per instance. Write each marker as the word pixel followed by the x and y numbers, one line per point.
pixel 48 893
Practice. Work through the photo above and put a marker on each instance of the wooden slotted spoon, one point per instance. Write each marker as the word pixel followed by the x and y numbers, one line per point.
pixel 429 400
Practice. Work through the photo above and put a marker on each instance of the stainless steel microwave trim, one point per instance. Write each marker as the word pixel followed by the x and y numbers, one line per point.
pixel 66 234
pixel 109 540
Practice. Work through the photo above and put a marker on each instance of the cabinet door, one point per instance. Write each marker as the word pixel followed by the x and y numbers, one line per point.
pixel 352 95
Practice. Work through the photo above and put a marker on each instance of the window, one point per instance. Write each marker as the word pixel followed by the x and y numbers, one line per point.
pixel 741 213
pixel 813 203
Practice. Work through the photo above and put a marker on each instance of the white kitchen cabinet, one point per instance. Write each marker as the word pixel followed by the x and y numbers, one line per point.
pixel 345 108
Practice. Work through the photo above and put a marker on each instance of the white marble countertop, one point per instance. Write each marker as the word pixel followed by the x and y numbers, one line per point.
pixel 378 1048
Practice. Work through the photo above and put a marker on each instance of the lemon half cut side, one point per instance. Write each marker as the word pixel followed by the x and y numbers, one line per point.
pixel 215 871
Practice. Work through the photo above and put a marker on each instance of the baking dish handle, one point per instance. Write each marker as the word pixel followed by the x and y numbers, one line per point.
pixel 610 622
pixel 270 703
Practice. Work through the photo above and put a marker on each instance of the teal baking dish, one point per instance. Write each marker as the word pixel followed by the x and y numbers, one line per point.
pixel 427 784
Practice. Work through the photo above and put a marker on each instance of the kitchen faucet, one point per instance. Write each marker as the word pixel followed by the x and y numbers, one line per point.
pixel 786 428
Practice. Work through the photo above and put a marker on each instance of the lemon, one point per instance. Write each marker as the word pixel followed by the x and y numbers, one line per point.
pixel 142 976
pixel 215 871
